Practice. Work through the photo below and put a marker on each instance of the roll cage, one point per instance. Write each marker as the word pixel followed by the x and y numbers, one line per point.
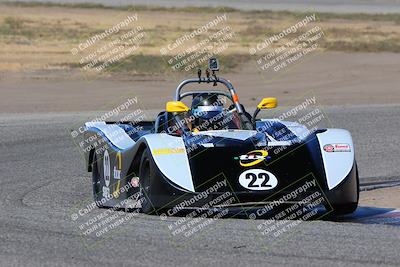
pixel 164 119
pixel 231 94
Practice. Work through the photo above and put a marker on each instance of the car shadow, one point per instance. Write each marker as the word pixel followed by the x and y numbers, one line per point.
pixel 371 215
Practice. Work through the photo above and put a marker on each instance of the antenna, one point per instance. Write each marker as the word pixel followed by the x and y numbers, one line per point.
pixel 208 75
pixel 199 74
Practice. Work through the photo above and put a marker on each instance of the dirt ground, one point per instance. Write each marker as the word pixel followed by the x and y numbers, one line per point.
pixel 383 198
pixel 335 78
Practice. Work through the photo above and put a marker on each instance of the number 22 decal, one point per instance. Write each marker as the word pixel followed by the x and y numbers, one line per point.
pixel 253 178
pixel 258 179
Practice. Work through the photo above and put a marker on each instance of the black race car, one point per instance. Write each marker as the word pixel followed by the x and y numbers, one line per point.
pixel 200 156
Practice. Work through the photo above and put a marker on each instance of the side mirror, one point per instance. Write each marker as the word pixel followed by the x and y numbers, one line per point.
pixel 176 106
pixel 267 103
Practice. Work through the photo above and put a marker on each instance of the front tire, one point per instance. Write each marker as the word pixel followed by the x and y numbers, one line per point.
pixel 344 209
pixel 347 208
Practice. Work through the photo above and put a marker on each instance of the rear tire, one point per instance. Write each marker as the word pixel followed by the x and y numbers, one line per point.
pixel 96 184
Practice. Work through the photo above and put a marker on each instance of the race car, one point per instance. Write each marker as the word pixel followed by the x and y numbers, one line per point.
pixel 192 155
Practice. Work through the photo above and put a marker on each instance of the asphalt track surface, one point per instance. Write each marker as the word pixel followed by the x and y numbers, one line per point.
pixel 43 182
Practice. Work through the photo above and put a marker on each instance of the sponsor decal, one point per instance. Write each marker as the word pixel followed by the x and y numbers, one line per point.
pixel 106 192
pixel 337 148
pixel 118 167
pixel 117 174
pixel 107 174
pixel 252 158
pixel 258 179
pixel 329 148
pixel 135 182
pixel 167 151
pixel 106 168
pixel 208 145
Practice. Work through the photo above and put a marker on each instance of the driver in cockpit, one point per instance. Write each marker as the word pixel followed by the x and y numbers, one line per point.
pixel 209 114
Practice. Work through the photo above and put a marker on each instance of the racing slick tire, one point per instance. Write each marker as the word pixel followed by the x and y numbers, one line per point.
pixel 96 184
pixel 148 173
pixel 350 207
pixel 103 189
pixel 344 209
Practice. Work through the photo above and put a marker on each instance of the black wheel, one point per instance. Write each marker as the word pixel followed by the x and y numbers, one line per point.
pixel 344 209
pixel 349 207
pixel 147 174
pixel 102 180
pixel 96 183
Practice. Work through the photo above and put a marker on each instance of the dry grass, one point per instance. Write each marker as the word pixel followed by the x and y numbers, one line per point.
pixel 36 36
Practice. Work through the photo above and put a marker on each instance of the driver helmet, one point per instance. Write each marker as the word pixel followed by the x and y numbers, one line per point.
pixel 206 107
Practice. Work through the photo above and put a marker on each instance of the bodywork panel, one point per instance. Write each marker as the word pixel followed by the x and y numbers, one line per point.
pixel 188 163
